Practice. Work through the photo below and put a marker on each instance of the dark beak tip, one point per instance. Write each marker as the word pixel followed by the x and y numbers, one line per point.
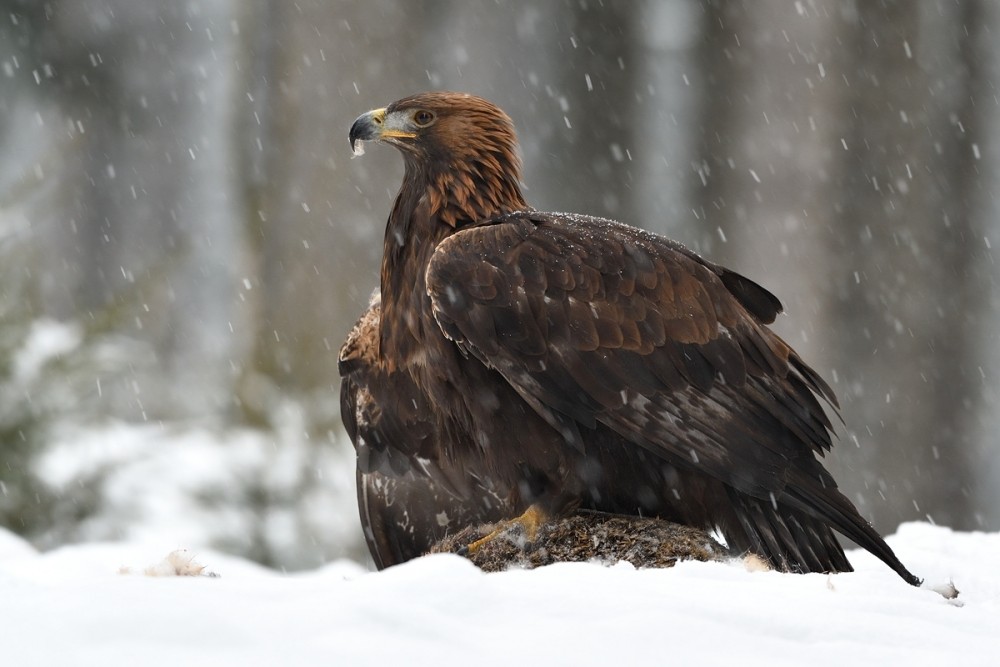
pixel 361 130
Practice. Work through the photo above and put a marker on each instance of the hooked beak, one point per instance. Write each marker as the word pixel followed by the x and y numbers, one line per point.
pixel 376 125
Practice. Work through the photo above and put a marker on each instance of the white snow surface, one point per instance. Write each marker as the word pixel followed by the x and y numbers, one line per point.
pixel 90 604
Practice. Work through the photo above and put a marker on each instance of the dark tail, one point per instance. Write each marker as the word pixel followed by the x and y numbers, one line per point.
pixel 835 509
pixel 794 533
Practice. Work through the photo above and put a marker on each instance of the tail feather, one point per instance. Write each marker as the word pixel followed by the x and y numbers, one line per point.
pixel 833 508
pixel 789 540
pixel 794 532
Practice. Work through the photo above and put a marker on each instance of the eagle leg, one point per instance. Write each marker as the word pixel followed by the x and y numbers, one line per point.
pixel 530 521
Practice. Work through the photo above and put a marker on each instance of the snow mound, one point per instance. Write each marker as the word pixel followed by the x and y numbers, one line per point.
pixel 12 546
pixel 441 610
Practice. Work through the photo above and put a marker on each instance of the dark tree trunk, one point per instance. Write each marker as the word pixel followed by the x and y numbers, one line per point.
pixel 905 305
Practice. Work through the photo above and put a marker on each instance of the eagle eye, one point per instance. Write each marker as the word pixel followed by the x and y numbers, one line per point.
pixel 423 118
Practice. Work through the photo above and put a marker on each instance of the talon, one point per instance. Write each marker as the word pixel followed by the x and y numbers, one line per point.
pixel 530 521
pixel 473 548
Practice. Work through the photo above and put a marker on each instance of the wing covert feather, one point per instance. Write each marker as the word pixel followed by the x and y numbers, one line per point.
pixel 601 322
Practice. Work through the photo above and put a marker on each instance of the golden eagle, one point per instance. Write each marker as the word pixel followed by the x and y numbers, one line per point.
pixel 567 361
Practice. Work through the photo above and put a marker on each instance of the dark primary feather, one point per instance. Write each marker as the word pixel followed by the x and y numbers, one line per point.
pixel 403 516
pixel 580 362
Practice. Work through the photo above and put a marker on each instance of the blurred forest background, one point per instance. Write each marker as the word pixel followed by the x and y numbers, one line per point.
pixel 185 241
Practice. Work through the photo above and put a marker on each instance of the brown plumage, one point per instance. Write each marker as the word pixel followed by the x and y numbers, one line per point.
pixel 568 361
pixel 404 510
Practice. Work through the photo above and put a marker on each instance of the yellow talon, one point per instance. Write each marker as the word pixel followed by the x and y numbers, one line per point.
pixel 530 521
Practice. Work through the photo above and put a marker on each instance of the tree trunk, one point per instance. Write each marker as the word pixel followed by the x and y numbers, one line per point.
pixel 906 309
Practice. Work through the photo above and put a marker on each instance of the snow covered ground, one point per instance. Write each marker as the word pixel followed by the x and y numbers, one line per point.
pixel 73 606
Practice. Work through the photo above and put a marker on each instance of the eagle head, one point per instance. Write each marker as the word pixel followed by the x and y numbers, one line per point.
pixel 461 149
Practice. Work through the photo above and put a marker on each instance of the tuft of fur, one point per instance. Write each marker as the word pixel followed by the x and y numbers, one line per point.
pixel 948 591
pixel 754 563
pixel 179 563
